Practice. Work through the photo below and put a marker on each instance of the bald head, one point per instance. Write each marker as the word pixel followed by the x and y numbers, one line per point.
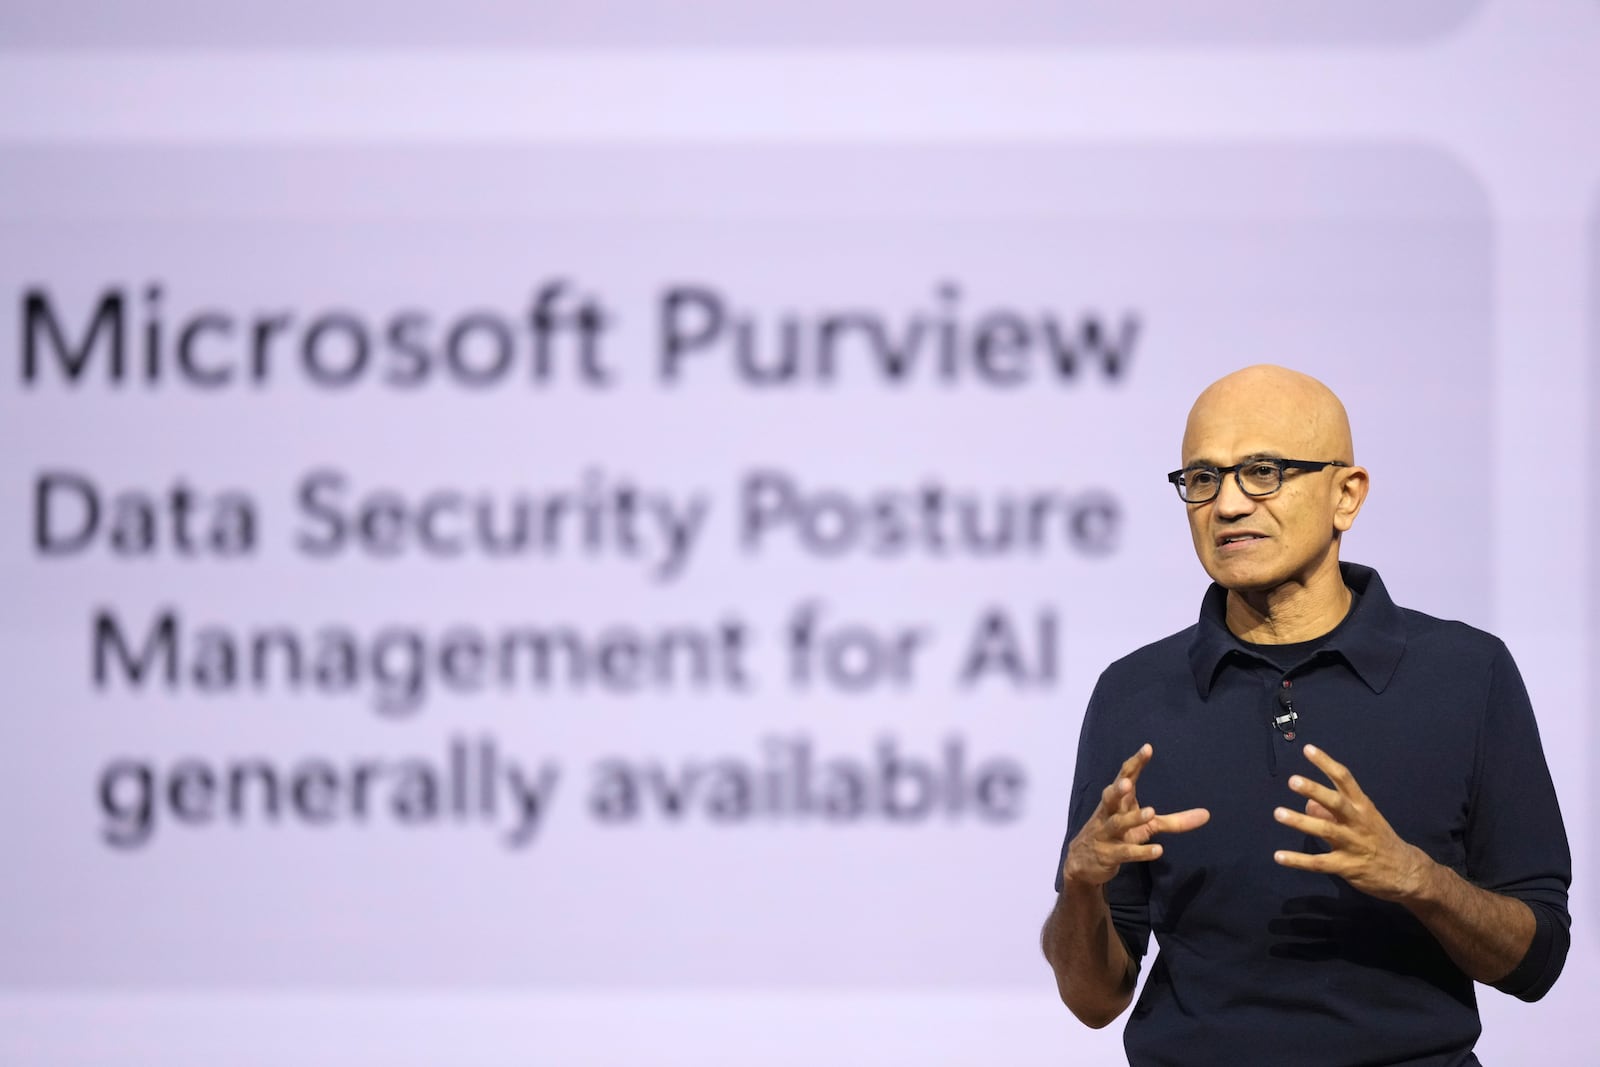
pixel 1276 552
pixel 1267 410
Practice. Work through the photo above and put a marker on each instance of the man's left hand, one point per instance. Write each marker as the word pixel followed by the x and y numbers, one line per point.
pixel 1363 848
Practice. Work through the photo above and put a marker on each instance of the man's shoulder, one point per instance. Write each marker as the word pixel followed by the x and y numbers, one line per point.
pixel 1152 660
pixel 1426 632
pixel 1421 631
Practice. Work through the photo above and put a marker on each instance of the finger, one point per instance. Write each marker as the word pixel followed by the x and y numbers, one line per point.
pixel 1180 822
pixel 1315 791
pixel 1337 772
pixel 1131 770
pixel 1127 821
pixel 1130 853
pixel 1327 830
pixel 1146 818
pixel 1116 798
pixel 1305 861
pixel 1135 763
pixel 1317 811
pixel 1119 796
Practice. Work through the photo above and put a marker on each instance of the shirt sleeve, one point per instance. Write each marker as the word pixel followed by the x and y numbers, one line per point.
pixel 1516 843
pixel 1099 757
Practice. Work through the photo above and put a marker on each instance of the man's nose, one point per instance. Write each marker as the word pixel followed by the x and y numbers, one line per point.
pixel 1232 501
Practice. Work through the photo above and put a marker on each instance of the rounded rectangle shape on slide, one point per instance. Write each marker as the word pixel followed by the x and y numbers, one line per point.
pixel 763 406
pixel 723 23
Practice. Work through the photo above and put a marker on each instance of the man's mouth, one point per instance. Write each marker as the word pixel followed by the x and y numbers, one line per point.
pixel 1237 538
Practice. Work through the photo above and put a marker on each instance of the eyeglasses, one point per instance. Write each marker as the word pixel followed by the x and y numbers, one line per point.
pixel 1256 477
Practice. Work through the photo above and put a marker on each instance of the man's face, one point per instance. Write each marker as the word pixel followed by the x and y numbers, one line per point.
pixel 1261 543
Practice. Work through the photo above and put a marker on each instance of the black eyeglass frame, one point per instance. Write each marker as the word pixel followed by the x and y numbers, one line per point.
pixel 1312 465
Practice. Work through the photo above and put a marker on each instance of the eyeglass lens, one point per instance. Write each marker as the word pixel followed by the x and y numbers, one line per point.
pixel 1257 479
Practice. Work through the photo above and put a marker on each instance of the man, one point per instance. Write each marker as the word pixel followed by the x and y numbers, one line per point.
pixel 1333 813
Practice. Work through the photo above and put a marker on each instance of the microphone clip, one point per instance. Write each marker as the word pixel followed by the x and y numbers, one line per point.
pixel 1285 724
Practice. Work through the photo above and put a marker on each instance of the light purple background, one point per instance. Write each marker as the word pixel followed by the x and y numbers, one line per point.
pixel 1458 133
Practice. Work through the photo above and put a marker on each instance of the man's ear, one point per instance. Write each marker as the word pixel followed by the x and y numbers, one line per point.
pixel 1351 486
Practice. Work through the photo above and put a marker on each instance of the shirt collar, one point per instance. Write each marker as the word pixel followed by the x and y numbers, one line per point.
pixel 1371 642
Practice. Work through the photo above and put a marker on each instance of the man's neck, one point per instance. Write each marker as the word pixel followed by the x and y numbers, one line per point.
pixel 1290 613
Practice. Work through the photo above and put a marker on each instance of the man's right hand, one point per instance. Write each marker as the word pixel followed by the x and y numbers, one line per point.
pixel 1120 830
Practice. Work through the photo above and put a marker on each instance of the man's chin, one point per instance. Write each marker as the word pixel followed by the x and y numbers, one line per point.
pixel 1236 576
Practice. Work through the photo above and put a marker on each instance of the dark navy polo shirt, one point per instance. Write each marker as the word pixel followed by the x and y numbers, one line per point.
pixel 1262 964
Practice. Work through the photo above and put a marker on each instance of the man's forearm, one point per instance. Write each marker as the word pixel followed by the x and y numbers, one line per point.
pixel 1094 973
pixel 1486 934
